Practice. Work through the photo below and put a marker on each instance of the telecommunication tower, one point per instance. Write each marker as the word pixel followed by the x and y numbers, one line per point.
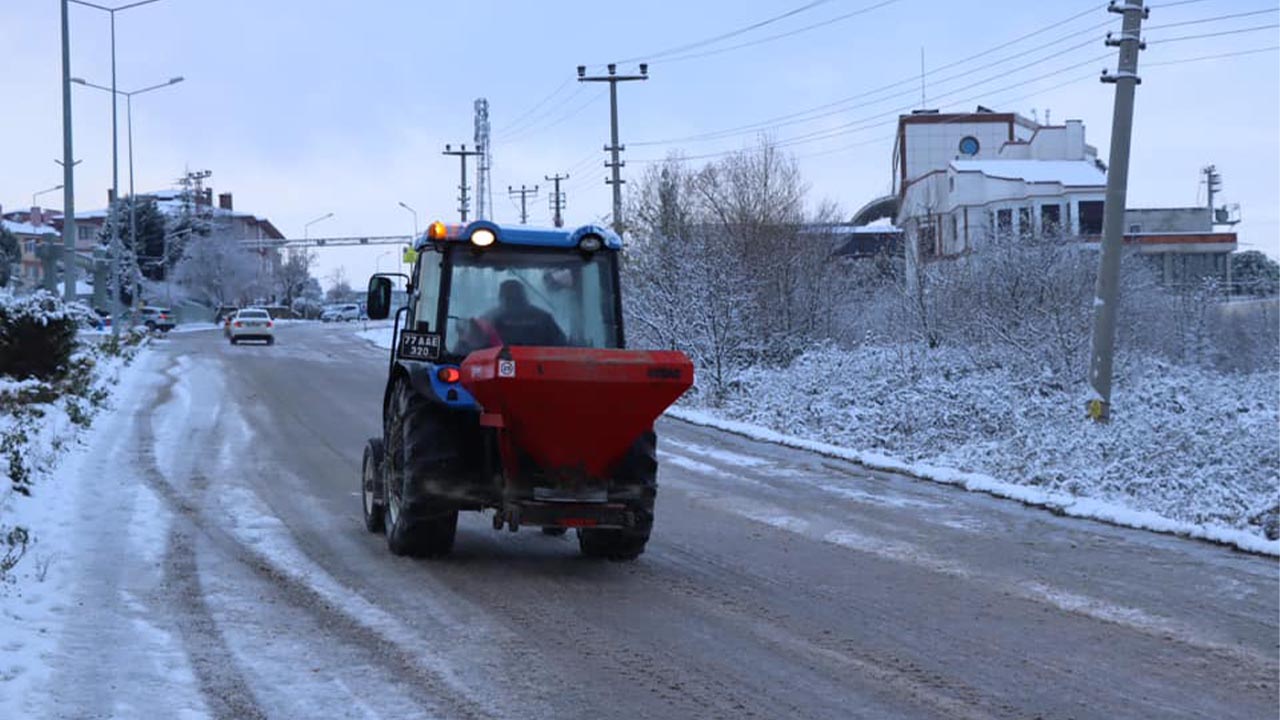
pixel 484 189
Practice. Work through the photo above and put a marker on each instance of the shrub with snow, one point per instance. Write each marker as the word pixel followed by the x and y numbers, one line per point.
pixel 37 335
pixel 1191 444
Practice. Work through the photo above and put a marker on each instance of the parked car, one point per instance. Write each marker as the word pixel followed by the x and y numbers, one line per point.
pixel 157 318
pixel 345 312
pixel 252 324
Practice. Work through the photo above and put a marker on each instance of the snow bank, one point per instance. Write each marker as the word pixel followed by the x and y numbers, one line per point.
pixel 380 337
pixel 1188 451
pixel 39 422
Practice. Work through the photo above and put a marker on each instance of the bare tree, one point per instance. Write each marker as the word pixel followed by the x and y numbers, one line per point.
pixel 294 275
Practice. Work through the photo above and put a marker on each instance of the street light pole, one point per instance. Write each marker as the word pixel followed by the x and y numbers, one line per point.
pixel 43 192
pixel 415 229
pixel 306 229
pixel 128 96
pixel 115 161
pixel 68 172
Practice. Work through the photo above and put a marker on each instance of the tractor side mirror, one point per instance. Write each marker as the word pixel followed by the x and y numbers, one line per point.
pixel 378 301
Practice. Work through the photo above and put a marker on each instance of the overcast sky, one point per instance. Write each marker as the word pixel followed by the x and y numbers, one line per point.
pixel 302 108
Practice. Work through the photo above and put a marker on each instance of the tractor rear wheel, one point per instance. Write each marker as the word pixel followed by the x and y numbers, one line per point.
pixel 639 474
pixel 416 524
pixel 371 492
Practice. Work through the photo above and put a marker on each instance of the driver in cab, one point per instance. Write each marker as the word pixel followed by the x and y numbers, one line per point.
pixel 515 321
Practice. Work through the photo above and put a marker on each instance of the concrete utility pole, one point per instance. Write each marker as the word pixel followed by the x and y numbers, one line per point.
pixel 68 171
pixel 524 193
pixel 613 78
pixel 462 154
pixel 1108 293
pixel 557 198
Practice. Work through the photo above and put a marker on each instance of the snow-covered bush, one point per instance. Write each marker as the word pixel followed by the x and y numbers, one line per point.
pixel 37 335
pixel 1188 443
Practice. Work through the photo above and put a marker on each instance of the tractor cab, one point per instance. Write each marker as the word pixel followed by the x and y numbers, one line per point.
pixel 483 285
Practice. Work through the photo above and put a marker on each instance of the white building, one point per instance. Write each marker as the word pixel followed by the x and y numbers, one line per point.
pixel 961 178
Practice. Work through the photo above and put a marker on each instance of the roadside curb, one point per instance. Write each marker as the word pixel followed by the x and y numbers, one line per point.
pixel 1055 502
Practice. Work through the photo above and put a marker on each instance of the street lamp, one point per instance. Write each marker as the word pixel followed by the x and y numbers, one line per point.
pixel 128 96
pixel 415 219
pixel 306 229
pixel 414 239
pixel 378 263
pixel 115 149
pixel 43 192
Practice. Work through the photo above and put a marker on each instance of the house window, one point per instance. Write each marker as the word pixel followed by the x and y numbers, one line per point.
pixel 1051 219
pixel 1135 229
pixel 1025 228
pixel 1004 223
pixel 30 247
pixel 1090 217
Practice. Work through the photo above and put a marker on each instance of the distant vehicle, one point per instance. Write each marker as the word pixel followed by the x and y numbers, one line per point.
pixel 157 318
pixel 252 324
pixel 344 312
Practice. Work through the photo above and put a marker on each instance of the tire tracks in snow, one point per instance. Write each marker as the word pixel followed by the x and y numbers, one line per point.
pixel 222 681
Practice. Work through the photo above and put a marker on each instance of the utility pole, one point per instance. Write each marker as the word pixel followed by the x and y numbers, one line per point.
pixel 613 78
pixel 524 193
pixel 1108 291
pixel 557 198
pixel 68 172
pixel 462 154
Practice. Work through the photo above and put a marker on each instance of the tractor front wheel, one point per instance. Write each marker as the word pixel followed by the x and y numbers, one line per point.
pixel 416 524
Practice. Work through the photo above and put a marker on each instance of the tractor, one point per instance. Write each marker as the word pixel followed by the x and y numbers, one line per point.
pixel 509 389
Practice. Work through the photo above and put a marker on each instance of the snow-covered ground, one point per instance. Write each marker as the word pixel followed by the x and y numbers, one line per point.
pixel 1188 451
pixel 46 445
pixel 379 336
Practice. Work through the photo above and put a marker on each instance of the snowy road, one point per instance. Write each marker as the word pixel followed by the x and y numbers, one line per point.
pixel 214 564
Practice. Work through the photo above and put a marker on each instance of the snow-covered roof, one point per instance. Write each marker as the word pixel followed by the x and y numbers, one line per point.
pixel 19 228
pixel 82 288
pixel 1073 173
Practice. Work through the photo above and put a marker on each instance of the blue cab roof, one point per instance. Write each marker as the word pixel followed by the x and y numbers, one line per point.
pixel 525 235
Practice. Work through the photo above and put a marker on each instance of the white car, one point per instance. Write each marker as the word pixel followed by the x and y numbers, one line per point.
pixel 345 311
pixel 252 324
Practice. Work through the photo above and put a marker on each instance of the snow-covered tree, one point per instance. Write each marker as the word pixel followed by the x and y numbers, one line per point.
pixel 218 270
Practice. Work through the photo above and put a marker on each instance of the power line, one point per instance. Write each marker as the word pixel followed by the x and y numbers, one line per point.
pixel 1040 91
pixel 778 121
pixel 779 36
pixel 724 36
pixel 516 122
pixel 812 114
pixel 1218 18
pixel 536 129
pixel 1239 53
pixel 535 119
pixel 1214 34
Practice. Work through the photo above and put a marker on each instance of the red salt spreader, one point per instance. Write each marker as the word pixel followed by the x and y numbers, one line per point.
pixel 565 419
